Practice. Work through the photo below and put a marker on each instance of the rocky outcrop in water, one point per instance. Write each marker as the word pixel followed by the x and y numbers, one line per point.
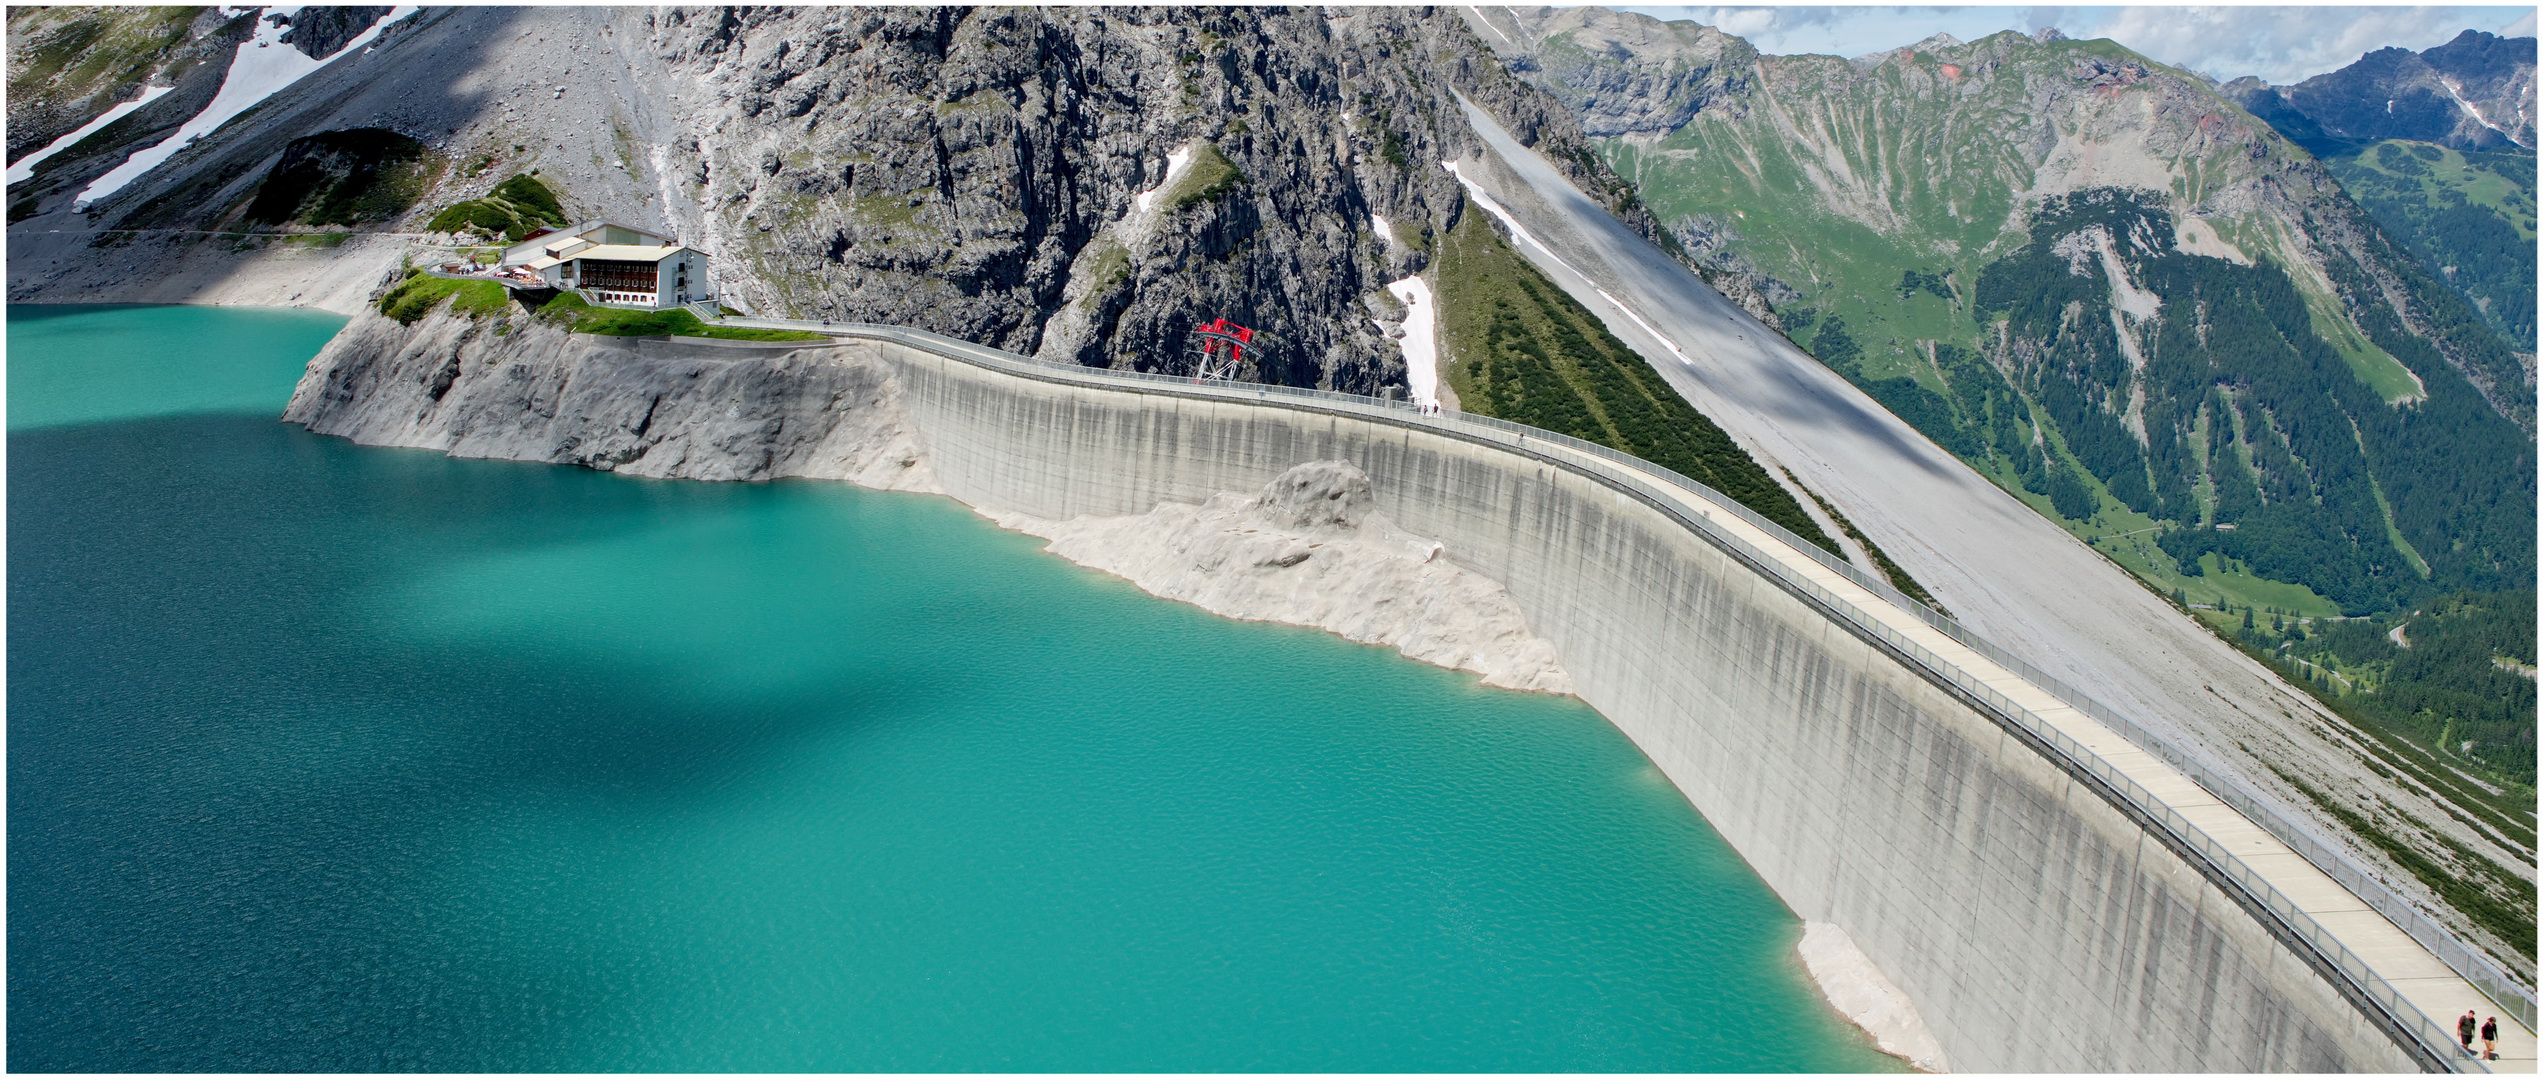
pixel 522 390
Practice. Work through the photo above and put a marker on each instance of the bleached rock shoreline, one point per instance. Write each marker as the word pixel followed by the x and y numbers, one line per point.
pixel 1308 551
pixel 1856 988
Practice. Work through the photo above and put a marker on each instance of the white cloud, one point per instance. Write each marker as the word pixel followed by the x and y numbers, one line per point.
pixel 2287 45
pixel 1743 21
pixel 2282 44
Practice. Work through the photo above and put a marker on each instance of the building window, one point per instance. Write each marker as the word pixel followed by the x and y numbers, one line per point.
pixel 619 274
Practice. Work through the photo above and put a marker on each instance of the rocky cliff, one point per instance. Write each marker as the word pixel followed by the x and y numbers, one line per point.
pixel 2473 93
pixel 520 388
pixel 1075 183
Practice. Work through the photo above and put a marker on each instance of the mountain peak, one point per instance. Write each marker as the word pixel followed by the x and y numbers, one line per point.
pixel 2473 93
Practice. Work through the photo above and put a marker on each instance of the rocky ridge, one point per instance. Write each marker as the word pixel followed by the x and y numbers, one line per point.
pixel 1001 176
pixel 2473 93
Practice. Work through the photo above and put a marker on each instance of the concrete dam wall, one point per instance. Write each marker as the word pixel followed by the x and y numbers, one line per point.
pixel 2036 926
pixel 2050 897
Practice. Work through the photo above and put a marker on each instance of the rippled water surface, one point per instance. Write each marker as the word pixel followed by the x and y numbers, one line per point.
pixel 328 757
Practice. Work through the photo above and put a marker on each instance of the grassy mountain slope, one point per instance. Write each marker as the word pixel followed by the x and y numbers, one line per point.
pixel 1879 192
pixel 2468 215
pixel 68 64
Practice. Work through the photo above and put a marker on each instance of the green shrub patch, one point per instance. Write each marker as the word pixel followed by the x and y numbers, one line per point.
pixel 511 211
pixel 353 177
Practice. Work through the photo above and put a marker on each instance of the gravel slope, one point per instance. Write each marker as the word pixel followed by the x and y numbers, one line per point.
pixel 2004 570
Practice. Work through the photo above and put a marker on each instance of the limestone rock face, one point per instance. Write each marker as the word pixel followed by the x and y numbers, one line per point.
pixel 1675 68
pixel 521 390
pixel 1004 176
pixel 1309 550
pixel 1080 184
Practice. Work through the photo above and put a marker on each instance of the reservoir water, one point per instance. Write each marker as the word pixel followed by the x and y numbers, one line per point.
pixel 324 757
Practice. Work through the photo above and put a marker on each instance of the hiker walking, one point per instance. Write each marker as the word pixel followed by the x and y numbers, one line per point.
pixel 2464 1028
pixel 2490 1039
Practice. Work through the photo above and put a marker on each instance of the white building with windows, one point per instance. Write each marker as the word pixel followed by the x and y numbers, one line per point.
pixel 614 265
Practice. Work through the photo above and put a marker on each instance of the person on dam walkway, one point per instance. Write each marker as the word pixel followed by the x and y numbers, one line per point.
pixel 2464 1026
pixel 2490 1039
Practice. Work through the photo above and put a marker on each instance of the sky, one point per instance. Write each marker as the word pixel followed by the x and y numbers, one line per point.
pixel 2281 44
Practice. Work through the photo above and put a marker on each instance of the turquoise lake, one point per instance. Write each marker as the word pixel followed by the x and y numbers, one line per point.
pixel 324 757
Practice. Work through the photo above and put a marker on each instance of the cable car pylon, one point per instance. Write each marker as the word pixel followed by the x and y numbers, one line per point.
pixel 1218 350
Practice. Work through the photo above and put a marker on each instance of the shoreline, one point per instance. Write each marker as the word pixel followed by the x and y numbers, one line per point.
pixel 308 270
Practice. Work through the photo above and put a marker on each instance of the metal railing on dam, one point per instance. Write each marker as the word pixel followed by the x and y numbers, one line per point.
pixel 1694 505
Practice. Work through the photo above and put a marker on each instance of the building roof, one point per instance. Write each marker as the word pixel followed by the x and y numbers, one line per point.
pixel 586 229
pixel 558 242
pixel 628 252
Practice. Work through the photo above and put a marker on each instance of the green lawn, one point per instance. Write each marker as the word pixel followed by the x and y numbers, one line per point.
pixel 582 318
pixel 420 293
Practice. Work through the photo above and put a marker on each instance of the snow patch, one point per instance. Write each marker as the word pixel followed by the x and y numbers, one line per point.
pixel 1421 341
pixel 1499 213
pixel 1851 983
pixel 1486 20
pixel 263 65
pixel 25 166
pixel 1385 232
pixel 2457 93
pixel 1176 163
